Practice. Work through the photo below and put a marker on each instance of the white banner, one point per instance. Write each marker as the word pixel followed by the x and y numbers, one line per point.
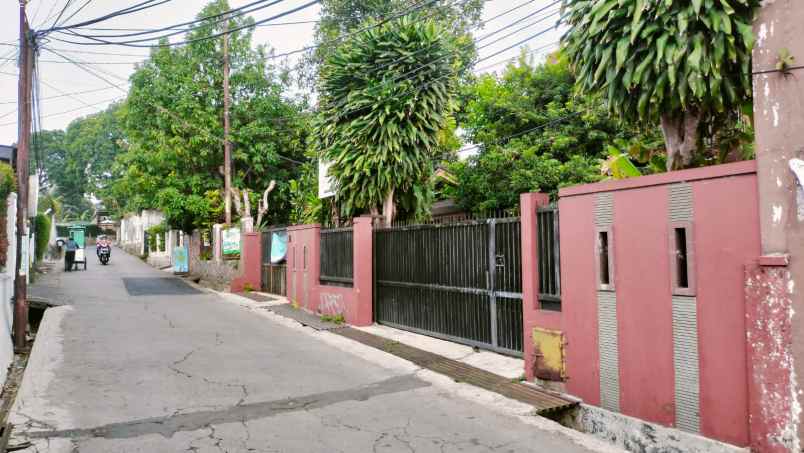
pixel 326 184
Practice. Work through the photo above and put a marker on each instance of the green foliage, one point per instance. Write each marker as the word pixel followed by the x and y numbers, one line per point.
pixel 559 138
pixel 306 207
pixel 341 17
pixel 381 114
pixel 8 182
pixel 42 233
pixel 159 231
pixel 686 63
pixel 173 120
pixel 654 57
pixel 77 162
pixel 335 319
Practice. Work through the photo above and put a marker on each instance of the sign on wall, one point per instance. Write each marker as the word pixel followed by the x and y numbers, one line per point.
pixel 231 242
pixel 326 183
pixel 181 262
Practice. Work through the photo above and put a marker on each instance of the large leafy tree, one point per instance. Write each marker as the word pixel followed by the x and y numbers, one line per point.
pixel 173 119
pixel 77 163
pixel 683 64
pixel 385 97
pixel 533 133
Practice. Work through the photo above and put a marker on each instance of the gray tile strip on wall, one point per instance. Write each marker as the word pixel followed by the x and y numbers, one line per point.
pixel 607 321
pixel 685 363
pixel 609 351
pixel 680 202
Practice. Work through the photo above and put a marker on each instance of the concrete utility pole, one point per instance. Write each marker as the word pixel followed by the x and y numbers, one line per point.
pixel 227 144
pixel 23 143
pixel 775 285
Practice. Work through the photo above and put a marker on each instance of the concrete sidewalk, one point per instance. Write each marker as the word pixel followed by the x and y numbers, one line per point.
pixel 141 362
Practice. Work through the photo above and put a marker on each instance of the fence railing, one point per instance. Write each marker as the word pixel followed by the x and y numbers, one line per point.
pixel 549 258
pixel 337 252
pixel 274 276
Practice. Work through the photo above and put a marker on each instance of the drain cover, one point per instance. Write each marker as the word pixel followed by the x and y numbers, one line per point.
pixel 158 287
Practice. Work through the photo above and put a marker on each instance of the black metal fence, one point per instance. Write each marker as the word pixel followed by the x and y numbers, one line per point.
pixel 461 281
pixel 337 252
pixel 549 258
pixel 274 276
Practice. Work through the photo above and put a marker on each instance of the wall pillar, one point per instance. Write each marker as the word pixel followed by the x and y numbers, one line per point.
pixel 532 316
pixel 363 272
pixel 250 263
pixel 774 306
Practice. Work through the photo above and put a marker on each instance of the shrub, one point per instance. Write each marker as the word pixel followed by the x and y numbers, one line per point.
pixel 42 235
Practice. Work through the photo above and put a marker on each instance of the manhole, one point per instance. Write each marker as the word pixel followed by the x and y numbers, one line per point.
pixel 157 286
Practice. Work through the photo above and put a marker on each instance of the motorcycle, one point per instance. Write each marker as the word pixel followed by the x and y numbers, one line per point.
pixel 104 254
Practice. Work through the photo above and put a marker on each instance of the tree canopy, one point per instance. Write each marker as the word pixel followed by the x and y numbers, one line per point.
pixel 684 64
pixel 532 134
pixel 385 97
pixel 173 120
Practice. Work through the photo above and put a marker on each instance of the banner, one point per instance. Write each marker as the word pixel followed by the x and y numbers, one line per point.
pixel 231 242
pixel 181 264
pixel 279 246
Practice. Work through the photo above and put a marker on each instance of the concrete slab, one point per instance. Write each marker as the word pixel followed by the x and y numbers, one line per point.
pixel 510 367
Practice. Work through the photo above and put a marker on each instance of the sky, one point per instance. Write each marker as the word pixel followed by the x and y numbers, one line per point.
pixel 501 38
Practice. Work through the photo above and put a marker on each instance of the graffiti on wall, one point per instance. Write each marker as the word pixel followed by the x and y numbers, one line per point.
pixel 331 304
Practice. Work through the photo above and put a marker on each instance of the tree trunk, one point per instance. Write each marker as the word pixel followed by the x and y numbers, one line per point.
pixel 680 138
pixel 389 208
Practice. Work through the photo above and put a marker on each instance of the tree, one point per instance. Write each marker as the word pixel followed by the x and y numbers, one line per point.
pixel 173 119
pixel 685 65
pixel 341 17
pixel 77 162
pixel 534 134
pixel 385 97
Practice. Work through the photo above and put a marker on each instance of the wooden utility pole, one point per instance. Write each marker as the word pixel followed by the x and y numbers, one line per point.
pixel 227 144
pixel 23 143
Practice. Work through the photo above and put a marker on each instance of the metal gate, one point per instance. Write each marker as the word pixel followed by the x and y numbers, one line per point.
pixel 461 282
pixel 274 276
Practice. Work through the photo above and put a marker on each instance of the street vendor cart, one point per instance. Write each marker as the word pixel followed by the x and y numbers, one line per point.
pixel 78 233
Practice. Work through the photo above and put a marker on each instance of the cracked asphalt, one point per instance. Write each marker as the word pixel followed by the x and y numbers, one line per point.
pixel 114 372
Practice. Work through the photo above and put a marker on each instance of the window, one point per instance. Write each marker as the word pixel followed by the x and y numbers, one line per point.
pixel 682 270
pixel 304 258
pixel 605 259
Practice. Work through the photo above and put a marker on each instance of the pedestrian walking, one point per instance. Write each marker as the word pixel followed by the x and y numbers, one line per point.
pixel 69 255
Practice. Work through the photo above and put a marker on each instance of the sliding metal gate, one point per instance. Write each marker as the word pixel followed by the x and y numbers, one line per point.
pixel 461 282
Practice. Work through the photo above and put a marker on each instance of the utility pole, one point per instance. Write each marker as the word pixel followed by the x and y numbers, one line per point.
pixel 23 143
pixel 227 144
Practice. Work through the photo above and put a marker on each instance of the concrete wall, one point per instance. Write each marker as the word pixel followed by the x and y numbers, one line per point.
pixel 250 263
pixel 304 270
pixel 650 371
pixel 773 288
pixel 7 288
pixel 132 230
pixel 215 271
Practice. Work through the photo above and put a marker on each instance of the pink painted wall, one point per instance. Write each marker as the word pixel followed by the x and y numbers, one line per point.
pixel 250 263
pixel 725 238
pixel 354 303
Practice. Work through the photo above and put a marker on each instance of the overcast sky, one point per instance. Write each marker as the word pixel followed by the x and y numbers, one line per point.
pixel 59 78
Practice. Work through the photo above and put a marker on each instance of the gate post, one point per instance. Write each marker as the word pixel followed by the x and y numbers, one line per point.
pixel 363 270
pixel 529 203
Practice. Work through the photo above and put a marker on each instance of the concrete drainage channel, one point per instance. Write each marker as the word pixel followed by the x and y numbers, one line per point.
pixel 619 430
pixel 36 311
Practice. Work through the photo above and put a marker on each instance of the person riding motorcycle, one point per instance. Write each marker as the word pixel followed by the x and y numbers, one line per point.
pixel 103 245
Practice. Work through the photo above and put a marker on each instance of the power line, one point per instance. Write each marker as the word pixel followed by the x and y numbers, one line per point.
pixel 521 133
pixel 135 43
pixel 228 15
pixel 105 101
pixel 86 62
pixel 129 10
pixel 162 108
pixel 61 95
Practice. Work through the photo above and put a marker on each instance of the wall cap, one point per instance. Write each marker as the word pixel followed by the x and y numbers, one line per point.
pixel 693 174
pixel 308 226
pixel 775 260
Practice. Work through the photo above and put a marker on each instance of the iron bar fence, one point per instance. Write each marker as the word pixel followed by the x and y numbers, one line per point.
pixel 274 275
pixel 337 253
pixel 549 258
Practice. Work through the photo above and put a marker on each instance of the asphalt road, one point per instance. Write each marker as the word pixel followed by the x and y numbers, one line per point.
pixel 141 362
